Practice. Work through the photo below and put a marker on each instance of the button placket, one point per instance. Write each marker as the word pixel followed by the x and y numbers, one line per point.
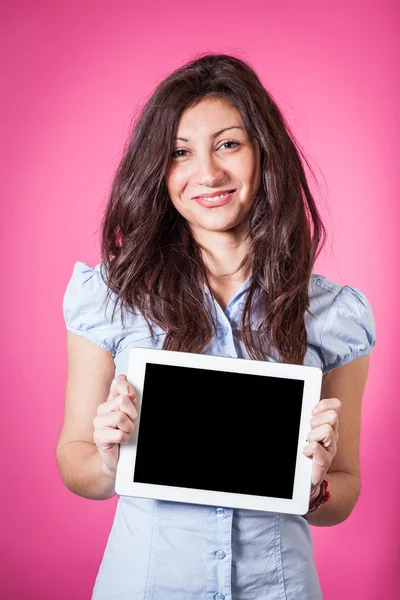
pixel 222 560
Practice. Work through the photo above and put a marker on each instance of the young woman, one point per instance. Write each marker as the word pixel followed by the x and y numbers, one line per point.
pixel 208 245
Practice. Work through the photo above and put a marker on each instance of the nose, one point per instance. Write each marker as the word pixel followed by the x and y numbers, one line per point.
pixel 209 172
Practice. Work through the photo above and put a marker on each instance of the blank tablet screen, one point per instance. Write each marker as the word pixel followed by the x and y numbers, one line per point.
pixel 218 431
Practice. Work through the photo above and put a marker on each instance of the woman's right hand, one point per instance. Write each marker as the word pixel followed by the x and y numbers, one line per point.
pixel 114 422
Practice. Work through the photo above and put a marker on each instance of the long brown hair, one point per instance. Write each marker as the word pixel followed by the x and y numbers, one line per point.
pixel 150 259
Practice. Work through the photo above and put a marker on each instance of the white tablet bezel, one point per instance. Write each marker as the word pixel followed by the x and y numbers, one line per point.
pixel 312 377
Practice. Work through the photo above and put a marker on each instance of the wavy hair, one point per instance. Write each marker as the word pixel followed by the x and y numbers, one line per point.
pixel 151 260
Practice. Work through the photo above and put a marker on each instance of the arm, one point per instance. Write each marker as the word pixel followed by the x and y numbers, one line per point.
pixel 346 383
pixel 91 395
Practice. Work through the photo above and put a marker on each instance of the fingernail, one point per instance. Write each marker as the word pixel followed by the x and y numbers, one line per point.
pixel 130 390
pixel 315 411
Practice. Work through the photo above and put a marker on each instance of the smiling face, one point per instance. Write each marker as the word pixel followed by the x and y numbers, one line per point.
pixel 214 170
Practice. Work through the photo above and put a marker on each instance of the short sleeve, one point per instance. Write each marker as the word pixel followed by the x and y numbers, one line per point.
pixel 84 308
pixel 349 330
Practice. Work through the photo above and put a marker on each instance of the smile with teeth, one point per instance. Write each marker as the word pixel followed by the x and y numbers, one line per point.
pixel 215 201
pixel 214 198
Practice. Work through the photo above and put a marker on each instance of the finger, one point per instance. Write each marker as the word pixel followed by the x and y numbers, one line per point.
pixel 327 404
pixel 325 436
pixel 121 403
pixel 321 461
pixel 113 387
pixel 328 417
pixel 308 450
pixel 105 438
pixel 318 453
pixel 120 385
pixel 320 465
pixel 114 420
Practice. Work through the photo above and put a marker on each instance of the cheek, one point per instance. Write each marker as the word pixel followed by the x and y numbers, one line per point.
pixel 175 187
pixel 176 181
pixel 246 170
pixel 255 178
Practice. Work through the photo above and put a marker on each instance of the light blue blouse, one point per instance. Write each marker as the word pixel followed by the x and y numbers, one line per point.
pixel 159 550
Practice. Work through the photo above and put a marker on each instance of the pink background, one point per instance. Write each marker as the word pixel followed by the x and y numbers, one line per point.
pixel 75 73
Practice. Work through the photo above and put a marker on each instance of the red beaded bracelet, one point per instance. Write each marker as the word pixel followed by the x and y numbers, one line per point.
pixel 322 497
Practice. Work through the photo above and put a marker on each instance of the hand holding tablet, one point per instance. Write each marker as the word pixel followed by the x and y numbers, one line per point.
pixel 208 425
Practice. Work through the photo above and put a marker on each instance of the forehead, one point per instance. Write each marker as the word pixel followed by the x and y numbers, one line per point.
pixel 209 115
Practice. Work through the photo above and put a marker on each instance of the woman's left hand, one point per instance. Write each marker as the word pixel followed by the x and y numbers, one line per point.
pixel 323 438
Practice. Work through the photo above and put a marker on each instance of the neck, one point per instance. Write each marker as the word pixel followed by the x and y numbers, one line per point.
pixel 222 253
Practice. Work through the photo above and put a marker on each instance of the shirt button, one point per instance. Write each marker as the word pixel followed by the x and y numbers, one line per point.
pixel 224 330
pixel 220 554
pixel 220 513
pixel 219 596
pixel 241 305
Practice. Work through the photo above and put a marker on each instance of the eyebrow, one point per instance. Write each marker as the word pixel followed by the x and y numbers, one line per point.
pixel 214 135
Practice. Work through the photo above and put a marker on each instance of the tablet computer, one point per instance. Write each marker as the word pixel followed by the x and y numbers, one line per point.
pixel 219 431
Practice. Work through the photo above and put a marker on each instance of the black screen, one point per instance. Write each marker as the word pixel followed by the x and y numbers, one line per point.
pixel 218 431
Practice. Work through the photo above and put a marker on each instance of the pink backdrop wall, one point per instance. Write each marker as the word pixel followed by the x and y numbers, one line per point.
pixel 75 72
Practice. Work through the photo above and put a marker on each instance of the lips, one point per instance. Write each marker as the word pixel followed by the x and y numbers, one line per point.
pixel 214 194
pixel 215 200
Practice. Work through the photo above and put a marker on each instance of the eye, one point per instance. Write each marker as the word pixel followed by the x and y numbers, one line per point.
pixel 235 144
pixel 175 153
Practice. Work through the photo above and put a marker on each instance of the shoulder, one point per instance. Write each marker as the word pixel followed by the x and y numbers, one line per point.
pixel 326 294
pixel 88 307
pixel 87 289
pixel 341 322
pixel 87 278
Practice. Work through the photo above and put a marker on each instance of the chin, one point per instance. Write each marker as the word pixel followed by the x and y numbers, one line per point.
pixel 221 227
